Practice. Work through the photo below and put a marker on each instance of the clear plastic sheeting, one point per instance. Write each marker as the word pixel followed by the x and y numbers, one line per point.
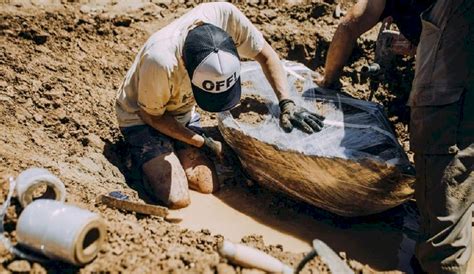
pixel 352 167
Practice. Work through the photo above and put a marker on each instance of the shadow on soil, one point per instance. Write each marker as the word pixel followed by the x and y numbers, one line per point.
pixel 384 241
pixel 118 154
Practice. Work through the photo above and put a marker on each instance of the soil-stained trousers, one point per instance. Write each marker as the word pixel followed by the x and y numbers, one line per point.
pixel 442 135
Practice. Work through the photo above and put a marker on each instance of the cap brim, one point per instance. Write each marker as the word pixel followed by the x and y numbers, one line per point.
pixel 218 102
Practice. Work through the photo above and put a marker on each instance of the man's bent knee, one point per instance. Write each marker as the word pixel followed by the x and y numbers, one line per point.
pixel 167 180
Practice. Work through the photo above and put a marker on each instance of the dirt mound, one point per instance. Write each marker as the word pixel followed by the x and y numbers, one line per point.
pixel 252 110
pixel 60 68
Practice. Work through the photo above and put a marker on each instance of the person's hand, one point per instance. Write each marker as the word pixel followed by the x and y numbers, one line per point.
pixel 401 46
pixel 394 41
pixel 213 146
pixel 323 83
pixel 293 116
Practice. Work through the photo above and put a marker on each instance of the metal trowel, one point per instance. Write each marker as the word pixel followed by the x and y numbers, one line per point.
pixel 119 200
pixel 328 256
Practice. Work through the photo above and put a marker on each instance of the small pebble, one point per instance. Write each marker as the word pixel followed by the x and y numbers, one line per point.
pixel 19 266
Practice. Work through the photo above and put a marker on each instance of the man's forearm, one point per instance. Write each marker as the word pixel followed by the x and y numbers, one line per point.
pixel 168 125
pixel 274 71
pixel 361 17
pixel 339 51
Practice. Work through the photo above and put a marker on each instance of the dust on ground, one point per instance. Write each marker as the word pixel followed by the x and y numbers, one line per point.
pixel 60 67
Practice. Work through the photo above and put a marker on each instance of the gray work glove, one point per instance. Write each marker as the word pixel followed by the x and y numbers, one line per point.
pixel 299 117
pixel 213 146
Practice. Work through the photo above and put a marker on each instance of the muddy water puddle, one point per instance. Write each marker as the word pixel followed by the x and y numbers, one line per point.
pixel 384 241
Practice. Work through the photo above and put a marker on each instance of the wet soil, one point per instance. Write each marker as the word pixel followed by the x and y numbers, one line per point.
pixel 60 66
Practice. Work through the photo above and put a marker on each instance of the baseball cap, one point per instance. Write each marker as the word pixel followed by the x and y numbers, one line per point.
pixel 213 65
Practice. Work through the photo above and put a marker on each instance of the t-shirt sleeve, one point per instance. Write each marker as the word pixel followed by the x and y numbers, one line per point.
pixel 153 87
pixel 248 39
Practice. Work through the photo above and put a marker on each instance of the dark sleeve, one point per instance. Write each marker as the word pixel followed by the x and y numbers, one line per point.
pixel 388 10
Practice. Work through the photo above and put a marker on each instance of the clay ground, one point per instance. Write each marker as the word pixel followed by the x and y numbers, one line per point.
pixel 60 66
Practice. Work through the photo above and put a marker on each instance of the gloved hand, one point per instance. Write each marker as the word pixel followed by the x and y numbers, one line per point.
pixel 299 117
pixel 213 146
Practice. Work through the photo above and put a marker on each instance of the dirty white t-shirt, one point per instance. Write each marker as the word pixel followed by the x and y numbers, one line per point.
pixel 158 81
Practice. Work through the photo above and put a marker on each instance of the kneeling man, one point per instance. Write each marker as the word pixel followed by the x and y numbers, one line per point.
pixel 194 60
